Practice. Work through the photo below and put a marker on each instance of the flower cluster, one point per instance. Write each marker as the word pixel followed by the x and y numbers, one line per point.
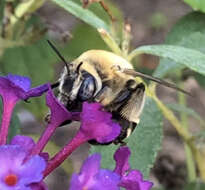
pixel 15 172
pixel 24 165
pixel 92 177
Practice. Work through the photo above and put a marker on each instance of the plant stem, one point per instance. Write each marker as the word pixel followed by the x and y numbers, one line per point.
pixel 8 107
pixel 190 163
pixel 24 8
pixel 109 40
pixel 47 134
pixel 79 139
pixel 126 37
pixel 198 156
pixel 189 157
pixel 133 54
pixel 172 119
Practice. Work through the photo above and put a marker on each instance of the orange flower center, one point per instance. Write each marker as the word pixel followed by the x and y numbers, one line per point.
pixel 11 179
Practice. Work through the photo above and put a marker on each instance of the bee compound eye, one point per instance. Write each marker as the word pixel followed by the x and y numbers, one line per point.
pixel 87 88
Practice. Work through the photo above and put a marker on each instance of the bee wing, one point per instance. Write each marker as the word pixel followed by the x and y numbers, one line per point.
pixel 155 79
pixel 134 106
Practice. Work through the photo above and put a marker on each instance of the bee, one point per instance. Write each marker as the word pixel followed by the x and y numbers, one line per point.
pixel 104 77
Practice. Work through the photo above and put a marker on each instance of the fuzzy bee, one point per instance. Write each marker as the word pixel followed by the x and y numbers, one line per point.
pixel 104 77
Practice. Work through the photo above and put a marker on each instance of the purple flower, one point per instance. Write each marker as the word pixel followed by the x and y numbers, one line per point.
pixel 58 114
pixel 17 174
pixel 17 87
pixel 26 143
pixel 134 181
pixel 130 179
pixel 95 124
pixel 12 89
pixel 91 177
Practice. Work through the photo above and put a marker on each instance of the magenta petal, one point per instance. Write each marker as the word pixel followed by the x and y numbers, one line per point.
pixel 106 179
pixel 37 91
pixel 90 168
pixel 134 181
pixel 18 87
pixel 32 170
pixel 59 113
pixel 122 160
pixel 91 177
pixel 20 81
pixel 38 186
pixel 24 141
pixel 9 102
pixel 12 89
pixel 130 185
pixel 44 155
pixel 97 124
pixel 91 164
pixel 9 91
pixel 11 156
pixel 75 183
pixel 12 162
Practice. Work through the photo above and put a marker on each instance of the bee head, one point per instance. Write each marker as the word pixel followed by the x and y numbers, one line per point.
pixel 76 85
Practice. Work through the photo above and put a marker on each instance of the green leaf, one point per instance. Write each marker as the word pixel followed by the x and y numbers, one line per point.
pixel 188 32
pixel 200 79
pixel 190 58
pixel 196 4
pixel 144 142
pixel 158 188
pixel 195 186
pixel 107 153
pixel 35 61
pixel 83 14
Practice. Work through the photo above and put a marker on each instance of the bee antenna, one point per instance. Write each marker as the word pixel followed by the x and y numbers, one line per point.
pixel 155 79
pixel 59 55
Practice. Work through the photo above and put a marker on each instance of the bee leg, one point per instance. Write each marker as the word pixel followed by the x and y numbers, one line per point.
pixel 121 142
pixel 47 118
pixel 131 108
pixel 128 106
pixel 55 85
pixel 125 94
pixel 125 127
